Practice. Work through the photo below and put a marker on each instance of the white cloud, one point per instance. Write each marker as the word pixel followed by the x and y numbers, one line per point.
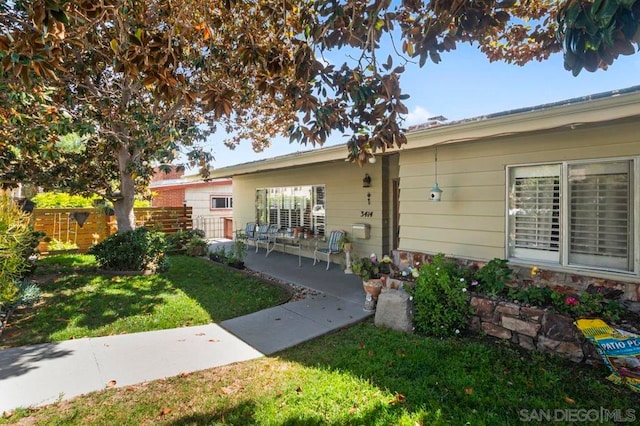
pixel 419 115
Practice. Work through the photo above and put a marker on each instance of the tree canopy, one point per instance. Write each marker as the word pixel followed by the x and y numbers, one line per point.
pixel 95 92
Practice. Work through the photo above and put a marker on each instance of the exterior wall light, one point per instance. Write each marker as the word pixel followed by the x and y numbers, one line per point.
pixel 366 182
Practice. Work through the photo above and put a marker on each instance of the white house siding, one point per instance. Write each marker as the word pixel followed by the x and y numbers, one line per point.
pixel 469 222
pixel 346 199
pixel 198 196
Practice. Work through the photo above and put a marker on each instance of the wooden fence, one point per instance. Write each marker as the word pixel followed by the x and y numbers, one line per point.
pixel 87 226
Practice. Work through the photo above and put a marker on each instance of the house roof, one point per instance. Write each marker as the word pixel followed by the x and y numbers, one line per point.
pixel 186 182
pixel 570 113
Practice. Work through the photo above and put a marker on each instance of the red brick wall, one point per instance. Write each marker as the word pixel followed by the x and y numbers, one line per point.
pixel 167 198
pixel 159 175
pixel 171 196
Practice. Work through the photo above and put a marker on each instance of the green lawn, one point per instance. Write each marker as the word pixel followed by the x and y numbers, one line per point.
pixel 79 302
pixel 358 376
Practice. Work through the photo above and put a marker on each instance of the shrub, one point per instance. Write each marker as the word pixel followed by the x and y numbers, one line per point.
pixel 539 296
pixel 61 245
pixel 493 277
pixel 54 200
pixel 138 250
pixel 28 294
pixel 440 298
pixel 17 245
pixel 586 304
pixel 179 239
pixel 196 247
pixel 237 253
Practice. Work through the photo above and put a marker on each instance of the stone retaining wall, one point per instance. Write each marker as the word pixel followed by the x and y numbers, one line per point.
pixel 531 328
pixel 562 282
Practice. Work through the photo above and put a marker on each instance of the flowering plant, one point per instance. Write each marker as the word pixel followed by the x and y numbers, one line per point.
pixel 440 298
pixel 366 268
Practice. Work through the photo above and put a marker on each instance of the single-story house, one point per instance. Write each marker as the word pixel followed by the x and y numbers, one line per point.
pixel 211 200
pixel 556 187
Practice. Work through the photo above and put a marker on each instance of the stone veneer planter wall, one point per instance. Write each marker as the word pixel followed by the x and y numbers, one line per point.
pixel 531 328
pixel 562 282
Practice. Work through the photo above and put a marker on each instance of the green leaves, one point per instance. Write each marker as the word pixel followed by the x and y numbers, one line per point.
pixel 595 34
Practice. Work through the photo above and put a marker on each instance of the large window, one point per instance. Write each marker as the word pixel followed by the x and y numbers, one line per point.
pixel 580 214
pixel 292 206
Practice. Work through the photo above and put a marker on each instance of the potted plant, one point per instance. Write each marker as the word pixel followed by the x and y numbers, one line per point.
pixel 345 243
pixel 368 269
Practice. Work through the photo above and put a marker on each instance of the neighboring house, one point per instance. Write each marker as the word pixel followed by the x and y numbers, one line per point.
pixel 555 186
pixel 211 200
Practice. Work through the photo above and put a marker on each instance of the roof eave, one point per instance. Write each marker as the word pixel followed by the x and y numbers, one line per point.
pixel 589 110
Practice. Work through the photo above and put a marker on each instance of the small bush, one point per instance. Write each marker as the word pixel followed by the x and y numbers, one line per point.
pixel 28 294
pixel 219 254
pixel 138 250
pixel 586 304
pixel 17 244
pixel 494 277
pixel 61 245
pixel 178 241
pixel 440 298
pixel 237 253
pixel 196 247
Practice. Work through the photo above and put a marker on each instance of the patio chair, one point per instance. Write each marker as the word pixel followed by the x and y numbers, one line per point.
pixel 333 247
pixel 248 232
pixel 267 237
pixel 259 234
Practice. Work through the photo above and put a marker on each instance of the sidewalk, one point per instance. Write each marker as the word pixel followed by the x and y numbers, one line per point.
pixel 44 374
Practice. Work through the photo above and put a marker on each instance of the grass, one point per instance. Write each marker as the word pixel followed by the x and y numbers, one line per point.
pixel 79 302
pixel 358 376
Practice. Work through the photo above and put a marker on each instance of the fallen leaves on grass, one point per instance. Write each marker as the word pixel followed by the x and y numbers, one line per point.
pixel 397 399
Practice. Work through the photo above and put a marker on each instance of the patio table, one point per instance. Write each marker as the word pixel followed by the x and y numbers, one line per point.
pixel 286 239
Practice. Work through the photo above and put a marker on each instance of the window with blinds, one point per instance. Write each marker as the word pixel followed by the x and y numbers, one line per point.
pixel 592 225
pixel 535 213
pixel 600 226
pixel 292 206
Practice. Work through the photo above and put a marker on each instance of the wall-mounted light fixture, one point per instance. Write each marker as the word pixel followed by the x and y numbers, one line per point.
pixel 436 192
pixel 366 182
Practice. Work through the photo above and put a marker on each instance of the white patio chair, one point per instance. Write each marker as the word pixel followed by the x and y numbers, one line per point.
pixel 333 247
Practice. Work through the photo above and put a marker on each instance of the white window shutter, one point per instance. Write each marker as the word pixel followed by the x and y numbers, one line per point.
pixel 600 215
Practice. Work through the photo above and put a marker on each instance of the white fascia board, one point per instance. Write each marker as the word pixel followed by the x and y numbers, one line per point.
pixel 321 155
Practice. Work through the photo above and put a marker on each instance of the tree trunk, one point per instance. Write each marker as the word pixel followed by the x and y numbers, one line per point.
pixel 123 206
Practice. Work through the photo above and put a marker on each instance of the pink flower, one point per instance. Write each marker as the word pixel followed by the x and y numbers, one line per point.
pixel 571 301
pixel 474 283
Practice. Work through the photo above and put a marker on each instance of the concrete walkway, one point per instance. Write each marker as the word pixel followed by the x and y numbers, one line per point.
pixel 43 374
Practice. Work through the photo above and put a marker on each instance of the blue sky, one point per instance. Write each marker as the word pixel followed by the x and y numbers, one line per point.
pixel 464 85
